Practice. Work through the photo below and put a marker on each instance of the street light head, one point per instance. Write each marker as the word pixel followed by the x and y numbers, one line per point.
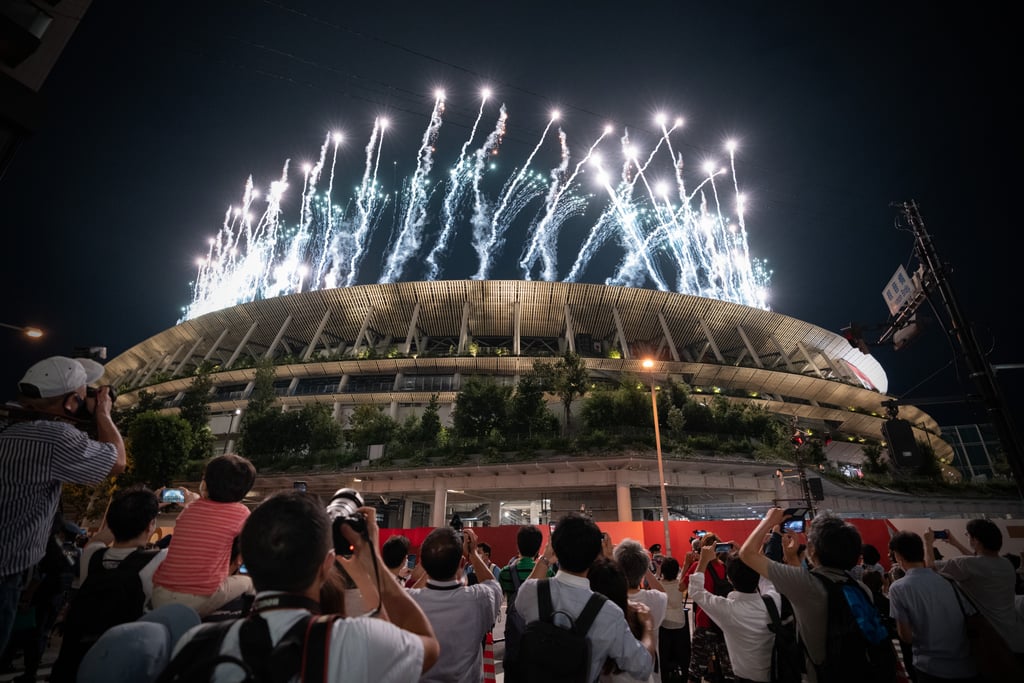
pixel 33 332
pixel 648 363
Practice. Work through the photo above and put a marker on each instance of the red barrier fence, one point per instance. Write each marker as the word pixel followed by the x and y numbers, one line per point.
pixel 502 539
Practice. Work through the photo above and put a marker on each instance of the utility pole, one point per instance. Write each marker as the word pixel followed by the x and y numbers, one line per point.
pixel 799 441
pixel 981 371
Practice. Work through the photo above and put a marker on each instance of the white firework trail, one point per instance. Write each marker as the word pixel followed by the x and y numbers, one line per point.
pixel 367 205
pixel 480 219
pixel 701 235
pixel 411 234
pixel 460 177
pixel 502 217
pixel 542 244
pixel 329 226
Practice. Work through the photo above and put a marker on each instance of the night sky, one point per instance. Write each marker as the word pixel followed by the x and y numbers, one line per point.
pixel 158 111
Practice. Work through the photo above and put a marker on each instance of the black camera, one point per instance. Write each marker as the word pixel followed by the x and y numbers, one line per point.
pixel 91 392
pixel 343 510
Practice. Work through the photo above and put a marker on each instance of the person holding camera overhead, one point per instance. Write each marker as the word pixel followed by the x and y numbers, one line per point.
pixel 195 572
pixel 40 449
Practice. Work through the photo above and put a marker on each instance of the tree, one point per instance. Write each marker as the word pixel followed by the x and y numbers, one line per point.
pixel 528 411
pixel 148 402
pixel 257 432
pixel 430 423
pixel 567 378
pixel 262 396
pixel 676 421
pixel 160 445
pixel 481 406
pixel 320 430
pixel 873 463
pixel 369 425
pixel 195 409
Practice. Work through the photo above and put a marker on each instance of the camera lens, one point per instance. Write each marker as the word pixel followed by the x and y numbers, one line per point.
pixel 343 510
pixel 91 392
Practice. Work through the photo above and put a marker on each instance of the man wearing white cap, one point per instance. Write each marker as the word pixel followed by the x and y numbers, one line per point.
pixel 38 454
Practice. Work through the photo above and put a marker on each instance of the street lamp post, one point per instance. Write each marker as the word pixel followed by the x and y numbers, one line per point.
pixel 648 365
pixel 33 332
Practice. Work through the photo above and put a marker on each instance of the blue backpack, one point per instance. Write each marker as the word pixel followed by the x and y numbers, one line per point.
pixel 857 644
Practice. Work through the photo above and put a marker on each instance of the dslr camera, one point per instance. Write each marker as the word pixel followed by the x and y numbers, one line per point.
pixel 343 510
pixel 83 413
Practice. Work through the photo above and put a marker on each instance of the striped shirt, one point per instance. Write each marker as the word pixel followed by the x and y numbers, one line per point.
pixel 199 556
pixel 35 458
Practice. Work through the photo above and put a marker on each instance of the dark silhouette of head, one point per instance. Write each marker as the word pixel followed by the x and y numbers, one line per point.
pixel 130 512
pixel 441 552
pixel 743 578
pixel 285 541
pixel 395 551
pixel 528 540
pixel 985 532
pixel 909 546
pixel 836 544
pixel 576 541
pixel 228 478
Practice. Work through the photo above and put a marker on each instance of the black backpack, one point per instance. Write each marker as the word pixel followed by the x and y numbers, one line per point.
pixel 720 584
pixel 301 653
pixel 515 625
pixel 107 597
pixel 787 654
pixel 857 644
pixel 550 653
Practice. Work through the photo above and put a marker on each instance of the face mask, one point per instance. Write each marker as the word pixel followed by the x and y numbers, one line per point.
pixel 82 412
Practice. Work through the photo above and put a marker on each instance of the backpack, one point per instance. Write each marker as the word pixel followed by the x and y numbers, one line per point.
pixel 857 644
pixel 787 654
pixel 107 597
pixel 515 625
pixel 301 652
pixel 550 653
pixel 720 584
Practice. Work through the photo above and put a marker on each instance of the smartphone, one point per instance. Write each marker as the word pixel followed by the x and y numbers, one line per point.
pixel 410 561
pixel 299 486
pixel 699 533
pixel 942 533
pixel 172 496
pixel 723 547
pixel 242 569
pixel 794 526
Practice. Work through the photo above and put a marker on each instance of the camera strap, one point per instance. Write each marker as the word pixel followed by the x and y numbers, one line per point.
pixel 285 601
pixel 301 652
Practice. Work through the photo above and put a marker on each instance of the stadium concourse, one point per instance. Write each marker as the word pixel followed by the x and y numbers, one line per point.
pixel 397 345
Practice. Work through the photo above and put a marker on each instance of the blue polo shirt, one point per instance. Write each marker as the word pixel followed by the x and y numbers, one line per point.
pixel 926 602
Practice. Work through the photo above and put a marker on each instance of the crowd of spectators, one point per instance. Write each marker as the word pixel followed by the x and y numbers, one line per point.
pixel 290 588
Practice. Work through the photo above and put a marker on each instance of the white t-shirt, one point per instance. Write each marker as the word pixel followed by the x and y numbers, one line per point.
pixel 113 557
pixel 361 649
pixel 989 582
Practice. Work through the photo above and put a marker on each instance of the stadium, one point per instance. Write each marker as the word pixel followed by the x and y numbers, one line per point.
pixel 396 345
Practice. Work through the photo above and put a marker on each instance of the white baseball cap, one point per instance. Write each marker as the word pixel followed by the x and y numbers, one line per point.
pixel 59 375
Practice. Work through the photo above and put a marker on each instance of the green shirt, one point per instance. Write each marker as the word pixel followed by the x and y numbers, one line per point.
pixel 524 566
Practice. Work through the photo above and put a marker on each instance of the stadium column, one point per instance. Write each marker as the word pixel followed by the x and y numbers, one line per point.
pixel 623 499
pixel 407 513
pixel 437 512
